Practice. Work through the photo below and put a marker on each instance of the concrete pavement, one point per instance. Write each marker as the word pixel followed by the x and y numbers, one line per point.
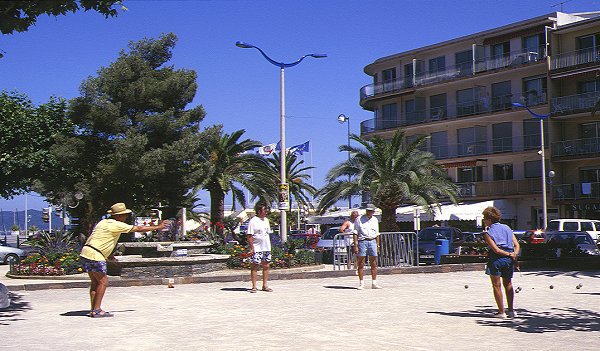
pixel 431 311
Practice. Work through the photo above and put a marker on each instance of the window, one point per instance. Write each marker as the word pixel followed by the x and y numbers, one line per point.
pixel 534 46
pixel 531 134
pixel 465 102
pixel 503 171
pixel 588 86
pixel 470 174
pixel 471 141
pixel 501 96
pixel 586 226
pixel 439 144
pixel 437 64
pixel 590 130
pixel 464 62
pixel 533 169
pixel 438 107
pixel 501 50
pixel 408 75
pixel 389 115
pixel 412 138
pixel 534 90
pixel 588 42
pixel 502 137
pixel 590 175
pixel 389 79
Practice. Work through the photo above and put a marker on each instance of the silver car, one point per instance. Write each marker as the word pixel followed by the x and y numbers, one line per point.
pixel 8 254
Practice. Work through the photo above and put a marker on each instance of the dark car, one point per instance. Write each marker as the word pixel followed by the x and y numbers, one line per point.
pixel 428 236
pixel 569 240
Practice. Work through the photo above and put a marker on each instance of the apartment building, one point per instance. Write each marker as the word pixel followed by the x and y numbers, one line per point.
pixel 460 93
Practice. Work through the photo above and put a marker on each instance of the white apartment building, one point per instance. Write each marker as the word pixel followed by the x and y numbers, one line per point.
pixel 460 93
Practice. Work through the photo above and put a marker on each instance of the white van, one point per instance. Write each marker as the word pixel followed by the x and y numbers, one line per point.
pixel 590 226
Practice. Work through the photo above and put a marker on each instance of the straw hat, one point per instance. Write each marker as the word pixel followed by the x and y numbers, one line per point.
pixel 118 208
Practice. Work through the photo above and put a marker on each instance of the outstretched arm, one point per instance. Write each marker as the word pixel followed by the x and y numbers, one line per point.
pixel 150 228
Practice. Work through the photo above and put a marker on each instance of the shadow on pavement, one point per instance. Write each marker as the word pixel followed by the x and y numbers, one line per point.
pixel 555 320
pixel 340 287
pixel 574 274
pixel 12 312
pixel 236 289
pixel 82 313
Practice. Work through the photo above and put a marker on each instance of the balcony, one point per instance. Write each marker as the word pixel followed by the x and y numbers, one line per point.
pixel 572 104
pixel 576 191
pixel 470 108
pixel 512 59
pixel 499 188
pixel 575 149
pixel 493 146
pixel 575 59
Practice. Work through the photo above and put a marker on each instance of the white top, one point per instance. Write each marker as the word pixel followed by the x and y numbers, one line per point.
pixel 349 232
pixel 260 229
pixel 366 228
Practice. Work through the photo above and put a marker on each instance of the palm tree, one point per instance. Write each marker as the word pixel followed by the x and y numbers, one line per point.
pixel 392 172
pixel 231 164
pixel 265 185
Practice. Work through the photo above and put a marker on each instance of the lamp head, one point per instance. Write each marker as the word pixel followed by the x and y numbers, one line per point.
pixel 551 174
pixel 243 45
pixel 342 118
pixel 318 55
pixel 518 104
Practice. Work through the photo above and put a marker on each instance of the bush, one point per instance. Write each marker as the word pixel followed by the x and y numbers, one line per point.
pixel 52 254
pixel 282 256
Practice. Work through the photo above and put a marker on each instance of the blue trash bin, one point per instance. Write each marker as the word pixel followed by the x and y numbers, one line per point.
pixel 442 247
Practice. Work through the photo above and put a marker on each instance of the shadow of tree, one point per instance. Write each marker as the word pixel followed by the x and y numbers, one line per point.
pixel 557 319
pixel 12 312
pixel 574 274
pixel 235 289
pixel 340 287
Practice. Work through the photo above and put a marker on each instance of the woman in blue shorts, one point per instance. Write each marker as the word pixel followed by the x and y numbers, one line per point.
pixel 504 248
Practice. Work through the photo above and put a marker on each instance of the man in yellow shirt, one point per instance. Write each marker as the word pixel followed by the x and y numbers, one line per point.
pixel 100 245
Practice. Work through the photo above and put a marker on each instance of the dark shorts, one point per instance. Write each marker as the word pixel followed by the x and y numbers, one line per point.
pixel 502 266
pixel 92 266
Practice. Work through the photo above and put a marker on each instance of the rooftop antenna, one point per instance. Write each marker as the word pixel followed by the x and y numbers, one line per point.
pixel 561 4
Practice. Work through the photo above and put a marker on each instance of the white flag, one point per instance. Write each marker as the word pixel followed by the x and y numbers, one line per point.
pixel 266 149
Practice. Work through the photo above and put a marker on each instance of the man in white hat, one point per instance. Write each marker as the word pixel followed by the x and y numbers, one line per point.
pixel 100 245
pixel 366 243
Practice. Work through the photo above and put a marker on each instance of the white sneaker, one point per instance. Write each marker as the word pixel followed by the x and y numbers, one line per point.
pixel 511 314
pixel 361 287
pixel 499 315
pixel 375 286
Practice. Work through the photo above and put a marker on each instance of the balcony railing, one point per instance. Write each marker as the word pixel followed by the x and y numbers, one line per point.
pixel 568 105
pixel 576 191
pixel 511 59
pixel 500 188
pixel 576 147
pixel 575 58
pixel 475 107
pixel 493 146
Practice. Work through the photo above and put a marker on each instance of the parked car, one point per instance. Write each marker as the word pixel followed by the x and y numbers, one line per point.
pixel 472 237
pixel 535 236
pixel 428 236
pixel 582 240
pixel 325 243
pixel 8 254
pixel 590 226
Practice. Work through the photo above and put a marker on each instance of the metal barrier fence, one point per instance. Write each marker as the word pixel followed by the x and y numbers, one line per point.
pixel 396 249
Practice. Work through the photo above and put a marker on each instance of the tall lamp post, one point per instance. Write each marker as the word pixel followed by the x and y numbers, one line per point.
pixel 542 153
pixel 342 118
pixel 284 203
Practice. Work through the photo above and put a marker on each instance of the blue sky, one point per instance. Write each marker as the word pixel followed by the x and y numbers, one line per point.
pixel 238 87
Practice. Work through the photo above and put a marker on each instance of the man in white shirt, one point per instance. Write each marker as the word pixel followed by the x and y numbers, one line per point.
pixel 347 228
pixel 366 243
pixel 259 242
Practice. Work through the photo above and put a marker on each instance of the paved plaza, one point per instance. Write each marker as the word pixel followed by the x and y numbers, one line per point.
pixel 426 311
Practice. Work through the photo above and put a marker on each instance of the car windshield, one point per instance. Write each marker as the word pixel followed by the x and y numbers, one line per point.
pixel 330 233
pixel 576 239
pixel 430 234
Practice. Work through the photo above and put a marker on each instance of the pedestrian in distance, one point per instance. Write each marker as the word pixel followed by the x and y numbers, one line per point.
pixel 504 248
pixel 366 243
pixel 347 229
pixel 99 247
pixel 259 242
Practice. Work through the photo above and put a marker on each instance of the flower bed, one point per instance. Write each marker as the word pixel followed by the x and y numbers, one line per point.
pixel 282 256
pixel 50 265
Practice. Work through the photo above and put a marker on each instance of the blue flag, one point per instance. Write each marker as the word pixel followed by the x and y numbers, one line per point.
pixel 301 148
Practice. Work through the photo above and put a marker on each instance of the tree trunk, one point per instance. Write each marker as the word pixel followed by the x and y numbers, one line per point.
pixel 388 220
pixel 217 209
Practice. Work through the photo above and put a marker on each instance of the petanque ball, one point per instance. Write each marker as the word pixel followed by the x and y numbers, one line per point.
pixel 551 286
pixel 466 286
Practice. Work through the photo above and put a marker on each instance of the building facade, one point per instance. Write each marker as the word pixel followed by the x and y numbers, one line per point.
pixel 460 94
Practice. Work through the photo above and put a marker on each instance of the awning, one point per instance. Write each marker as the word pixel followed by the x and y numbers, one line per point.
pixel 464 211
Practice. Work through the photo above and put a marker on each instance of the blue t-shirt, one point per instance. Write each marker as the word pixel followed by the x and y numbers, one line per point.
pixel 502 235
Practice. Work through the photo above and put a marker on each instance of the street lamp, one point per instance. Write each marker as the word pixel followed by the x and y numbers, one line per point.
pixel 284 204
pixel 342 118
pixel 541 153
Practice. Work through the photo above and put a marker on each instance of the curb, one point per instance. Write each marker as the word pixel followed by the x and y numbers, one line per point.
pixel 245 277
